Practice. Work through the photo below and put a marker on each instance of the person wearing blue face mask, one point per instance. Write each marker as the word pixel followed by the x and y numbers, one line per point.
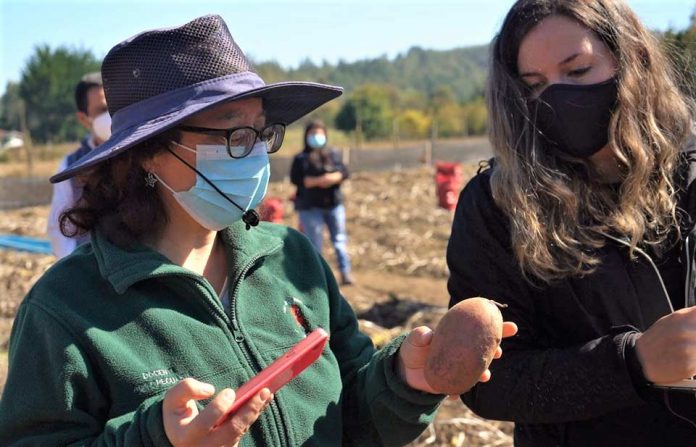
pixel 142 334
pixel 584 226
pixel 318 172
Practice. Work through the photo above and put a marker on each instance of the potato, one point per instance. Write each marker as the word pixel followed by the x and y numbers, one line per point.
pixel 463 345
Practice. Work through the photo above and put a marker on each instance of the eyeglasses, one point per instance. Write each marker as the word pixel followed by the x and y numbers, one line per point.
pixel 241 140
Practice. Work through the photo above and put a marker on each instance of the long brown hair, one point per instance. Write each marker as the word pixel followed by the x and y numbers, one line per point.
pixel 116 199
pixel 558 214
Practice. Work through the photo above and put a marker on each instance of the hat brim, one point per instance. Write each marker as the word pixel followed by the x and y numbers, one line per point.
pixel 283 102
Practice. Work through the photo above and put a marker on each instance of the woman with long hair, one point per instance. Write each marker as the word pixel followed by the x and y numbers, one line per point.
pixel 583 226
pixel 318 172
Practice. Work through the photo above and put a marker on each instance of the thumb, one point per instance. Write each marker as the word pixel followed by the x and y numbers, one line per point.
pixel 179 396
pixel 420 336
pixel 414 349
pixel 509 329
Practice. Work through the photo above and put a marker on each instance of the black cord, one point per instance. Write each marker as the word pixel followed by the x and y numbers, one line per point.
pixel 669 407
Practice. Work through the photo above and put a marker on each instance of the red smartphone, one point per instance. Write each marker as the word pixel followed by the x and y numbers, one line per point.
pixel 281 371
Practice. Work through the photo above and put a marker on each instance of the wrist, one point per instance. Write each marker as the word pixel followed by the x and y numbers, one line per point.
pixel 634 360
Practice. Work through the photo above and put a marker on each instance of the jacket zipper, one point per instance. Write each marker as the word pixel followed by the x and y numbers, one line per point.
pixel 236 330
pixel 211 302
pixel 650 261
pixel 240 339
pixel 237 334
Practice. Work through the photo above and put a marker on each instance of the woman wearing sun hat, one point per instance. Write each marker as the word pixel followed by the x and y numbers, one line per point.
pixel 139 337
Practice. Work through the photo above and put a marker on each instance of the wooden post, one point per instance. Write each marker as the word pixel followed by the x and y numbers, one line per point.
pixel 26 137
pixel 358 133
pixel 430 144
pixel 466 123
pixel 428 153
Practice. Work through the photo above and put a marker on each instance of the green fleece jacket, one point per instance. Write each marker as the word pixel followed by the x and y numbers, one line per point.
pixel 106 332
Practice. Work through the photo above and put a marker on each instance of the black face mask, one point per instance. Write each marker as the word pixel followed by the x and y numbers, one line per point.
pixel 575 118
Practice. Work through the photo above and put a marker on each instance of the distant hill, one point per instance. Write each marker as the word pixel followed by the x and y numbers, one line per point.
pixel 462 69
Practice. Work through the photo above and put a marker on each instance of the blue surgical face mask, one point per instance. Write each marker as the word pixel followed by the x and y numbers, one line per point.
pixel 244 181
pixel 316 140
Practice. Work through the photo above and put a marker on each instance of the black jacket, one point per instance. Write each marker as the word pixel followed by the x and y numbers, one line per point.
pixel 310 163
pixel 571 377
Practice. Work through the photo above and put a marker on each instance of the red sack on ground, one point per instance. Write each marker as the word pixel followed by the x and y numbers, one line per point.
pixel 449 179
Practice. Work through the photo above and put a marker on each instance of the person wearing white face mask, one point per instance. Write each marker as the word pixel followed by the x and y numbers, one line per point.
pixel 92 113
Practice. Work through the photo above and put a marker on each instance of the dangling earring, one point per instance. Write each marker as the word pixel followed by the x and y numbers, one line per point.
pixel 150 180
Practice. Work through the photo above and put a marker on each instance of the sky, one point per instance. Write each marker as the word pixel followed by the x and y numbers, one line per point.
pixel 286 31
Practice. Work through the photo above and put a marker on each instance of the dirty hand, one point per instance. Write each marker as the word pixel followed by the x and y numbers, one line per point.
pixel 667 350
pixel 413 354
pixel 184 425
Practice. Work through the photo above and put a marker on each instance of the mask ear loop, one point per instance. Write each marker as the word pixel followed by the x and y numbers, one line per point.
pixel 183 147
pixel 250 217
pixel 152 178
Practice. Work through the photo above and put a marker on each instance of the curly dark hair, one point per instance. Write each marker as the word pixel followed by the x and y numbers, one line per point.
pixel 116 200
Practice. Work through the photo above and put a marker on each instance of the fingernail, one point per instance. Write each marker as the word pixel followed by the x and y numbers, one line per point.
pixel 228 394
pixel 265 395
pixel 206 388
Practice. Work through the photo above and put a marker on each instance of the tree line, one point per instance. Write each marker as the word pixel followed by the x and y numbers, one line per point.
pixel 43 101
pixel 415 94
pixel 420 93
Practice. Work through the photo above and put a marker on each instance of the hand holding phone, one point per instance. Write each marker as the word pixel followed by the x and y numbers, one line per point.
pixel 281 371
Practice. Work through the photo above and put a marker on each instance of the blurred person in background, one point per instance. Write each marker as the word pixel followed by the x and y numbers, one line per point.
pixel 584 226
pixel 93 115
pixel 318 172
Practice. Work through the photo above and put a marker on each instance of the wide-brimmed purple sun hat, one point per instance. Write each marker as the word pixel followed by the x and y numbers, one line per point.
pixel 159 78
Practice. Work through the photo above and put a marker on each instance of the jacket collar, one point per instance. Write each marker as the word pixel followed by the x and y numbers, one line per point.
pixel 123 267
